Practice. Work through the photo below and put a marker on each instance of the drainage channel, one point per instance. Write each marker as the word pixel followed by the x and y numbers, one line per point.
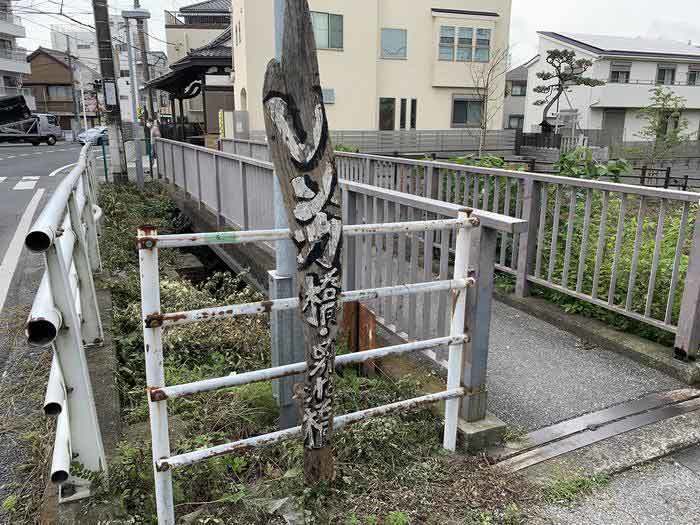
pixel 553 441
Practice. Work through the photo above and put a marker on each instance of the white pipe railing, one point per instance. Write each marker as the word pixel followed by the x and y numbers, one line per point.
pixel 65 315
pixel 470 323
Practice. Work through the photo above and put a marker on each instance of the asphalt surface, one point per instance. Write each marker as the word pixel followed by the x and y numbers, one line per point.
pixel 539 375
pixel 25 182
pixel 664 492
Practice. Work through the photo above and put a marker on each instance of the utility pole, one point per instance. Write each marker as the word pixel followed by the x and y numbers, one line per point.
pixel 82 98
pixel 138 14
pixel 146 71
pixel 117 159
pixel 75 121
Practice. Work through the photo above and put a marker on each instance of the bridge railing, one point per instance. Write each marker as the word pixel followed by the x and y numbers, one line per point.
pixel 403 141
pixel 628 249
pixel 65 315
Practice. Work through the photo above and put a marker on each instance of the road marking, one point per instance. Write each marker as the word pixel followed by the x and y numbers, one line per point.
pixel 24 154
pixel 11 157
pixel 14 250
pixel 59 170
pixel 2 179
pixel 30 178
pixel 25 185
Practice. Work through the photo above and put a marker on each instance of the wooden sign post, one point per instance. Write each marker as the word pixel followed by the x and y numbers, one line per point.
pixel 301 150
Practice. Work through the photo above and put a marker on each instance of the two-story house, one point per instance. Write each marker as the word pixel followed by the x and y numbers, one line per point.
pixel 384 64
pixel 13 60
pixel 631 68
pixel 53 85
pixel 516 92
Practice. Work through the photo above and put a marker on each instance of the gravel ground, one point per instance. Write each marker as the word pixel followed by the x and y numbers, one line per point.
pixel 540 375
pixel 664 492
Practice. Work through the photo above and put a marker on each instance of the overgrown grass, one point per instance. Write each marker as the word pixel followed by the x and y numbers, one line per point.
pixel 389 470
pixel 567 490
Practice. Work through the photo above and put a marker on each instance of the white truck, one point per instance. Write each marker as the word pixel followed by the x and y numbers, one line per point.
pixel 19 124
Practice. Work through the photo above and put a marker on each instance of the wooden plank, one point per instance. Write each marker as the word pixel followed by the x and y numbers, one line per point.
pixel 443 317
pixel 427 277
pixel 304 162
pixel 506 211
pixel 518 215
pixel 411 326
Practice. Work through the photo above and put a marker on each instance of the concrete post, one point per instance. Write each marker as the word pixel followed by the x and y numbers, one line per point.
pixel 688 335
pixel 527 250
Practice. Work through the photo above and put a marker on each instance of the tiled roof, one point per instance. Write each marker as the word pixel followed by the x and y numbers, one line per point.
pixel 208 6
pixel 619 45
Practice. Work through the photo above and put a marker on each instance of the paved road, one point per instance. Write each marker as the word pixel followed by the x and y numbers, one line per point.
pixel 26 181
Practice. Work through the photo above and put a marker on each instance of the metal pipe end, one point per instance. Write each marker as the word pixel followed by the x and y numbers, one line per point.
pixel 41 332
pixel 59 476
pixel 53 408
pixel 39 241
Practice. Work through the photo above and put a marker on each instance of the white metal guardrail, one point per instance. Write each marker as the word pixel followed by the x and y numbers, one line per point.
pixel 568 246
pixel 470 284
pixel 65 315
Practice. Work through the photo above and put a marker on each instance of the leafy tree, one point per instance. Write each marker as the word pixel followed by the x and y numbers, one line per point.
pixel 666 128
pixel 568 72
pixel 580 164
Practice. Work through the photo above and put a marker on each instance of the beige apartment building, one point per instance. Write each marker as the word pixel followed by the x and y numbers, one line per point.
pixel 384 64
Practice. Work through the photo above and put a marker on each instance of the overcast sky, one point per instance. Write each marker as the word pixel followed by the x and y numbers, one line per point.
pixel 670 19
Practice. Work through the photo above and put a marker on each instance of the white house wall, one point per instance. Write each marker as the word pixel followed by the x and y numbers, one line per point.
pixel 358 74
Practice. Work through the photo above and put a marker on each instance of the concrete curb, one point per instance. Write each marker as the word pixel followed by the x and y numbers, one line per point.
pixel 595 332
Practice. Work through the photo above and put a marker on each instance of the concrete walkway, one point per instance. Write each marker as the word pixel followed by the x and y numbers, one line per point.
pixel 666 491
pixel 539 375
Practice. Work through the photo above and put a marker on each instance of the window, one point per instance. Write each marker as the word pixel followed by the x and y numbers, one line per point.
pixel 447 43
pixel 52 120
pixel 124 73
pixel 402 116
pixel 328 30
pixel 666 75
pixel 414 112
pixel 482 52
pixel 515 122
pixel 60 92
pixel 518 89
pixel 387 113
pixel 466 112
pixel 620 72
pixel 694 75
pixel 84 46
pixel 465 42
pixel 394 43
pixel 328 96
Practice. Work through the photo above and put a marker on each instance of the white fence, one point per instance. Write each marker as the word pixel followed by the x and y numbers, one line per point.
pixel 466 331
pixel 65 315
pixel 571 222
pixel 400 141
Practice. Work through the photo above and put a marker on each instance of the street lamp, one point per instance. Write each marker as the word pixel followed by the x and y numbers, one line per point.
pixel 134 14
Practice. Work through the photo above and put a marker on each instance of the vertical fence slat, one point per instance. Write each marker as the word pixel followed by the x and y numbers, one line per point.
pixel 443 317
pixel 602 239
pixel 618 246
pixel 542 230
pixel 399 277
pixel 427 276
pixel 496 194
pixel 584 240
pixel 677 263
pixel 411 327
pixel 635 254
pixel 518 215
pixel 569 238
pixel 658 240
pixel 555 233
pixel 506 211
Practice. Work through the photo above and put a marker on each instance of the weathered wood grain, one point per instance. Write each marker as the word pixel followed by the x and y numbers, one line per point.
pixel 301 150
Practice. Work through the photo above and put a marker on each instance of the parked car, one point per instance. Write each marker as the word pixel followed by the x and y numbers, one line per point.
pixel 96 135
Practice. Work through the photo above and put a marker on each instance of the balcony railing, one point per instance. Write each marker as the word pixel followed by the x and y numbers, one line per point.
pixel 638 82
pixel 10 18
pixel 13 91
pixel 17 54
